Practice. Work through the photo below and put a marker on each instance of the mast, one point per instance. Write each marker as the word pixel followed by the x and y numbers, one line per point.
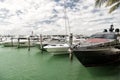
pixel 70 34
pixel 65 16
pixel 67 22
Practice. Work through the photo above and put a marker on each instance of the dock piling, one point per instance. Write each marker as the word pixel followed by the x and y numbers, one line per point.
pixel 28 43
pixel 41 45
pixel 70 46
pixel 18 45
pixel 12 41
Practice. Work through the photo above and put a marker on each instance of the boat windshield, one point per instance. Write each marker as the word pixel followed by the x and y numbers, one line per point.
pixel 105 36
pixel 109 36
pixel 97 36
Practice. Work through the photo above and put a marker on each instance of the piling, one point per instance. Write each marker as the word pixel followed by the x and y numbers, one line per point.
pixel 12 41
pixel 70 46
pixel 28 43
pixel 117 30
pixel 41 46
pixel 18 45
pixel 1 39
pixel 70 39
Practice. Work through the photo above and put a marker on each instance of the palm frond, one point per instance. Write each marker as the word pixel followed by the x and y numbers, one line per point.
pixel 111 2
pixel 99 3
pixel 113 8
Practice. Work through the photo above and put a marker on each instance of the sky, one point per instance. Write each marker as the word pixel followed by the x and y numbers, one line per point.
pixel 49 17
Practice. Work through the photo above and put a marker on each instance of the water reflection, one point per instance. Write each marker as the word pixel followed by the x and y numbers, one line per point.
pixel 104 70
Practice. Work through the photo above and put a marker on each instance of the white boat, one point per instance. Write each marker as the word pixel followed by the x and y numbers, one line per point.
pixel 38 44
pixel 57 48
pixel 25 43
pixel 9 42
pixel 18 42
pixel 48 42
pixel 99 49
pixel 76 40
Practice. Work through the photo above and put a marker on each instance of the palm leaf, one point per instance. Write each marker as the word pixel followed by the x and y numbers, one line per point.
pixel 111 2
pixel 99 3
pixel 113 8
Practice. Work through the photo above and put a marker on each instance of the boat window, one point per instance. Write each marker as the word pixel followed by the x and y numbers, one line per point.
pixel 97 36
pixel 109 36
pixel 53 45
pixel 105 36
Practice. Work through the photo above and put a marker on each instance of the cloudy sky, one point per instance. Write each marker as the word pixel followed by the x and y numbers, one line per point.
pixel 48 17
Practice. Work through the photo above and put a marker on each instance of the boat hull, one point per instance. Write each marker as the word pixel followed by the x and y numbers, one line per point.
pixel 64 49
pixel 15 44
pixel 57 48
pixel 25 44
pixel 97 57
pixel 10 44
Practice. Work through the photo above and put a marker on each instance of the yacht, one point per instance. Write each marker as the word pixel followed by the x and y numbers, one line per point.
pixel 99 49
pixel 18 42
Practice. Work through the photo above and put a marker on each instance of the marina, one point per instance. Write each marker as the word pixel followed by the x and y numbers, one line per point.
pixel 59 40
pixel 60 58
pixel 21 64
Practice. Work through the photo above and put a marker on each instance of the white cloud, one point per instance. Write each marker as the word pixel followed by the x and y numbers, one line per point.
pixel 47 17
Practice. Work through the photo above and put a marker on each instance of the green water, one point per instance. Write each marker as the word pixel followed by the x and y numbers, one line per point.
pixel 20 64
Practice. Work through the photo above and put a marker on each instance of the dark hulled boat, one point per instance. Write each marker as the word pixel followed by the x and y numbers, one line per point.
pixel 98 50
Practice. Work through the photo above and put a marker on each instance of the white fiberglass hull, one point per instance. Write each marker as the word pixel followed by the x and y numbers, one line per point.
pixel 16 44
pixel 10 44
pixel 65 49
pixel 57 49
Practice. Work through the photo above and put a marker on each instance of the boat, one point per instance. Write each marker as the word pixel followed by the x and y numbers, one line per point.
pixel 24 42
pixel 10 42
pixel 18 42
pixel 99 49
pixel 57 45
pixel 60 45
pixel 57 48
pixel 41 43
